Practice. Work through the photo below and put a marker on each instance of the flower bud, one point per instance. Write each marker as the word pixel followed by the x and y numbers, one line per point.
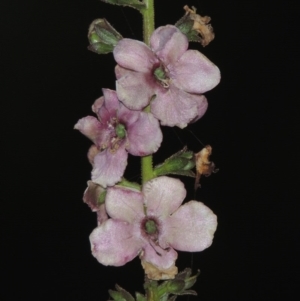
pixel 102 36
pixel 180 163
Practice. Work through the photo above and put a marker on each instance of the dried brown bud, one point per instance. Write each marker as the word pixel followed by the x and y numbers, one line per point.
pixel 201 25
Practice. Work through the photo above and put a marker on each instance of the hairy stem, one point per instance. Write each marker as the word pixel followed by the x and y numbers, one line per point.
pixel 148 28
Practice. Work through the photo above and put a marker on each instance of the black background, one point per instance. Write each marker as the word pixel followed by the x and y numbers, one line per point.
pixel 49 80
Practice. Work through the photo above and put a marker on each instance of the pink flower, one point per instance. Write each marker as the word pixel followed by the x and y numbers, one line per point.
pixel 152 224
pixel 176 76
pixel 117 132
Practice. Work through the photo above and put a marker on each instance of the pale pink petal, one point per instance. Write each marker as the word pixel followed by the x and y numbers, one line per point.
pixel 175 107
pixel 201 106
pixel 124 204
pixel 191 228
pixel 102 214
pixel 113 243
pixel 195 73
pixel 162 196
pixel 169 44
pixel 90 127
pixel 159 257
pixel 126 116
pixel 109 166
pixel 119 71
pixel 106 106
pixel 92 194
pixel 92 152
pixel 144 135
pixel 135 89
pixel 134 55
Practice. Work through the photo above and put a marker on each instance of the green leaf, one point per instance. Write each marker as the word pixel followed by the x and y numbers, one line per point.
pixel 132 3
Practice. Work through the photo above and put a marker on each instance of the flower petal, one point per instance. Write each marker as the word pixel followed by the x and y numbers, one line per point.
pixel 113 243
pixel 191 228
pixel 109 166
pixel 175 107
pixel 169 44
pixel 201 106
pixel 134 55
pixel 135 89
pixel 90 127
pixel 159 257
pixel 195 73
pixel 163 196
pixel 144 135
pixel 124 204
pixel 106 106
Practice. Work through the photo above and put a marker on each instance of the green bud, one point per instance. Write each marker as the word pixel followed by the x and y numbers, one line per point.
pixel 120 130
pixel 180 163
pixel 102 37
pixel 176 286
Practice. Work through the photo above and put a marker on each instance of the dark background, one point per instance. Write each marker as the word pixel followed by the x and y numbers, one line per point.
pixel 49 80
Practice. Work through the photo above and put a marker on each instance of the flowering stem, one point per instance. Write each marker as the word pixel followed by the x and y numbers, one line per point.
pixel 148 27
pixel 148 20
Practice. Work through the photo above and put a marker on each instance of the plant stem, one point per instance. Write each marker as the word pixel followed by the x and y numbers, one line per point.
pixel 148 20
pixel 148 28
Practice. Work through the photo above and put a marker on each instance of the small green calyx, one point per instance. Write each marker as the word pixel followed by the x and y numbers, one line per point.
pixel 120 130
pixel 150 227
pixel 180 163
pixel 160 74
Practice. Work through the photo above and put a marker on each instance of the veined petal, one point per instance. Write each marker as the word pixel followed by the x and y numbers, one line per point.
pixel 124 204
pixel 191 228
pixel 135 89
pixel 134 55
pixel 195 73
pixel 159 257
pixel 109 166
pixel 113 243
pixel 106 106
pixel 144 135
pixel 175 107
pixel 169 44
pixel 163 196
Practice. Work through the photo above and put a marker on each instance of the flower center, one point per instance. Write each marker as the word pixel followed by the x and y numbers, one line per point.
pixel 118 133
pixel 161 75
pixel 150 227
pixel 120 130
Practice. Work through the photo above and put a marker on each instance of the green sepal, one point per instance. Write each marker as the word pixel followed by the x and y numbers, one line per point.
pixel 126 183
pixel 120 294
pixel 102 37
pixel 101 199
pixel 140 297
pixel 180 163
pixel 132 3
pixel 185 25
